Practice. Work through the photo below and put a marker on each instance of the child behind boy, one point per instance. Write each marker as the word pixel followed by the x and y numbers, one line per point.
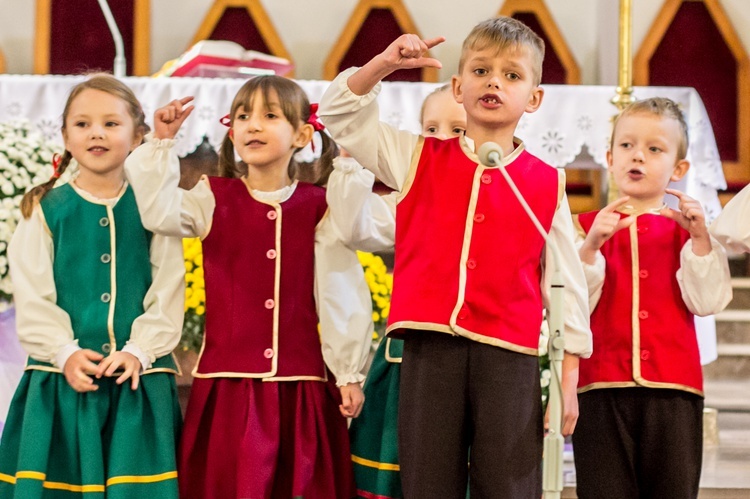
pixel 470 265
pixel 649 269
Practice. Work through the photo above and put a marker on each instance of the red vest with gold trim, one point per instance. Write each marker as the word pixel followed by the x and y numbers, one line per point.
pixel 643 332
pixel 258 259
pixel 468 259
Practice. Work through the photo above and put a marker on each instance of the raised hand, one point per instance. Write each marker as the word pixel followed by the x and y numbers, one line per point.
pixel 408 51
pixel 129 363
pixel 606 224
pixel 79 368
pixel 690 217
pixel 169 119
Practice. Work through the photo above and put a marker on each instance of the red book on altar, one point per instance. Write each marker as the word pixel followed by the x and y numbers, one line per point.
pixel 225 58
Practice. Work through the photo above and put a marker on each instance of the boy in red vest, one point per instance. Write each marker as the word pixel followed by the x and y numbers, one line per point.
pixel 649 270
pixel 469 280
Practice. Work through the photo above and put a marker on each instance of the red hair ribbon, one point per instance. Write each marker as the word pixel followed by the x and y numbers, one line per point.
pixel 56 161
pixel 313 119
pixel 315 122
pixel 226 120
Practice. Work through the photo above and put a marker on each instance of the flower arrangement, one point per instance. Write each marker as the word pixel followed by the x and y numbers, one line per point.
pixel 380 283
pixel 195 296
pixel 25 161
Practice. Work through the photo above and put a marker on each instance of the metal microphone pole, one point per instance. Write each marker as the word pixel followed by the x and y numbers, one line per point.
pixel 119 65
pixel 490 154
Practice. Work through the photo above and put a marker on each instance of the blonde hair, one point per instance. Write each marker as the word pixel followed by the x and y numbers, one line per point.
pixel 503 33
pixel 104 83
pixel 441 89
pixel 296 109
pixel 662 107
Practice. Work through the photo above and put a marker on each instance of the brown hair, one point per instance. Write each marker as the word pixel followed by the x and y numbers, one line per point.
pixel 104 83
pixel 662 107
pixel 443 88
pixel 503 33
pixel 296 108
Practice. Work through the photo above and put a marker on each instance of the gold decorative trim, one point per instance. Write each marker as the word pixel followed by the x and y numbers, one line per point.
pixel 735 171
pixel 116 480
pixel 57 370
pixel 634 320
pixel 639 384
pixel 411 175
pixel 354 24
pixel 607 384
pixel 466 244
pixel 578 227
pixel 260 18
pixel 388 357
pixel 539 9
pixel 113 280
pixel 294 378
pixel 36 475
pixel 421 326
pixel 375 464
pixel 488 340
pixel 141 48
pixel 560 186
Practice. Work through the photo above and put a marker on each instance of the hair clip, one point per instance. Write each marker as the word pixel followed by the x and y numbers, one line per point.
pixel 56 162
pixel 226 120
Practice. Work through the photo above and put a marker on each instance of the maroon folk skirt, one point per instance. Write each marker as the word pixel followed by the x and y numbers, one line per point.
pixel 245 438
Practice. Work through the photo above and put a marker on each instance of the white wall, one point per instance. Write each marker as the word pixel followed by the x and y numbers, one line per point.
pixel 308 28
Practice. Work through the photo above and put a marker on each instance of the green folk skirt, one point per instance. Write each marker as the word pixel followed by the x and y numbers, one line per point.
pixel 113 443
pixel 374 434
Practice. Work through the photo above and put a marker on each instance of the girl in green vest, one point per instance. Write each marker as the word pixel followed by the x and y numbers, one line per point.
pixel 99 304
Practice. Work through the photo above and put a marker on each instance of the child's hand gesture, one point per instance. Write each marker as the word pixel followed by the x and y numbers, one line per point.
pixel 127 361
pixel 606 223
pixel 78 370
pixel 691 218
pixel 407 51
pixel 352 398
pixel 168 119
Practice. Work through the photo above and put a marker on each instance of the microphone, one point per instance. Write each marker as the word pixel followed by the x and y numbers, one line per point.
pixel 490 154
pixel 118 69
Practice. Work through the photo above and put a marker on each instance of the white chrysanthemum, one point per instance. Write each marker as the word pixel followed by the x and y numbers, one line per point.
pixel 25 161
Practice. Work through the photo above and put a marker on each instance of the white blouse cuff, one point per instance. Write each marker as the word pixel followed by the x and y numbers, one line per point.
pixel 160 143
pixel 346 165
pixel 342 81
pixel 65 352
pixel 345 379
pixel 139 354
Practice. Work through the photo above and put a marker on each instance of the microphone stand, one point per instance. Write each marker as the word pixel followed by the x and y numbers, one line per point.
pixel 490 154
pixel 118 68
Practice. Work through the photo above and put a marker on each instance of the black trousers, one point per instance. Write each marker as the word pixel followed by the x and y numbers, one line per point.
pixel 467 402
pixel 633 443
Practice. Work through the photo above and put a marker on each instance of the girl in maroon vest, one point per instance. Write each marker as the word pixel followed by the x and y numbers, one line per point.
pixel 265 417
pixel 649 270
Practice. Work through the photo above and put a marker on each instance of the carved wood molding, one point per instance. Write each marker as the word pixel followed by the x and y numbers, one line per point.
pixel 353 26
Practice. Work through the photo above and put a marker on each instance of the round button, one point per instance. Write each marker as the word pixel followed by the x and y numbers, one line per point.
pixel 642 229
pixel 104 221
pixel 270 304
pixel 272 215
pixel 106 297
pixel 463 313
pixel 479 218
pixel 643 314
pixel 645 355
pixel 486 178
pixel 643 274
pixel 268 353
pixel 271 254
pixel 472 264
pixel 106 258
pixel 106 348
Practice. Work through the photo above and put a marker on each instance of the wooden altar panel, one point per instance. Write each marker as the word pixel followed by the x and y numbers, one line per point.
pixel 2 62
pixel 559 67
pixel 245 22
pixel 61 47
pixel 374 24
pixel 692 43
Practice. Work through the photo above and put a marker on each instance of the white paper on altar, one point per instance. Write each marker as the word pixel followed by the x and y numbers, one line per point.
pixel 570 118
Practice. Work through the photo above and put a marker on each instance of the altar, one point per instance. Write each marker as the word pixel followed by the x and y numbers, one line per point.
pixel 571 119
